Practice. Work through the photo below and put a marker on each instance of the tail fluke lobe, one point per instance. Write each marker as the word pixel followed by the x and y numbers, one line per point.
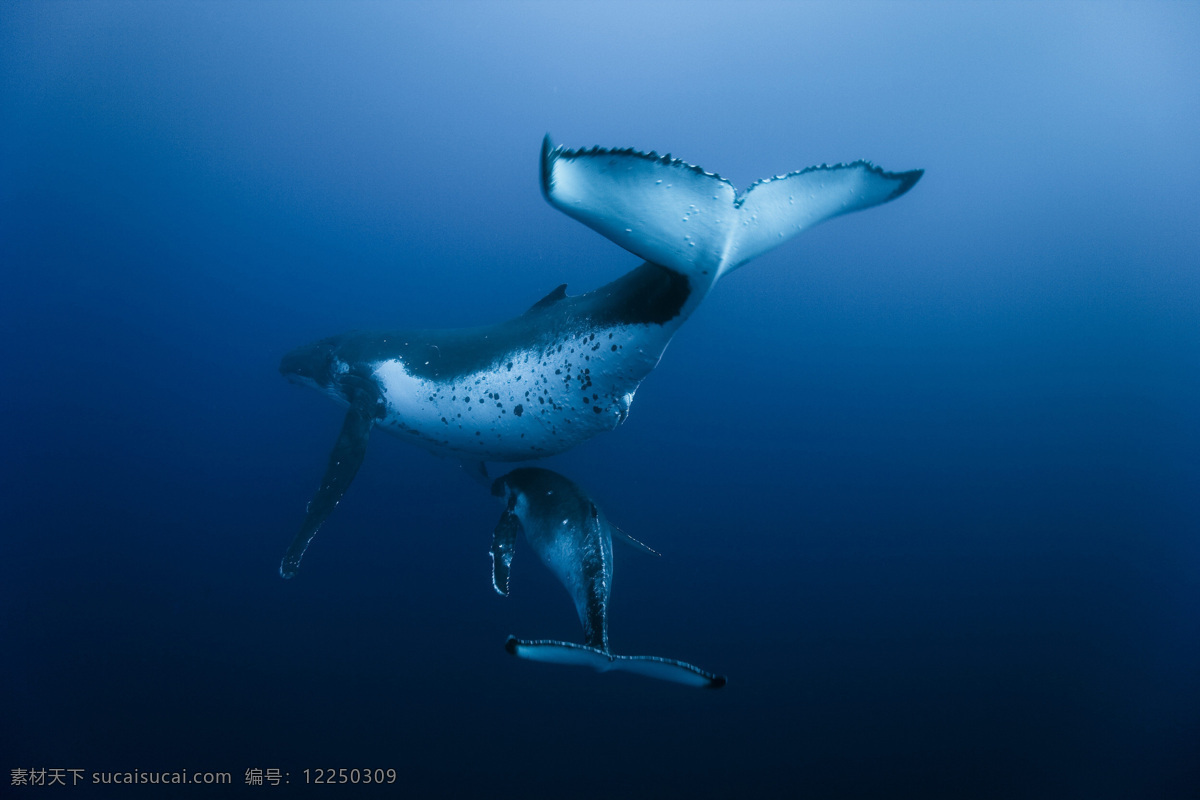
pixel 694 222
pixel 656 207
pixel 666 669
pixel 774 210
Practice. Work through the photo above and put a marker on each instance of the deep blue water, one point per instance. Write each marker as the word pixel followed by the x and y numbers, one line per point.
pixel 925 479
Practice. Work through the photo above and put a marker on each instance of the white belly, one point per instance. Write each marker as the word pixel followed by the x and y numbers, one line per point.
pixel 531 404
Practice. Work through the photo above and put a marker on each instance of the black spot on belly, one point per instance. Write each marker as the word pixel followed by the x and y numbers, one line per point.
pixel 597 409
pixel 519 410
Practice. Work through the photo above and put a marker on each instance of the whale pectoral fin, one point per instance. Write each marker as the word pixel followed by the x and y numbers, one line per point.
pixel 637 543
pixel 343 465
pixel 504 540
pixel 675 214
pixel 554 652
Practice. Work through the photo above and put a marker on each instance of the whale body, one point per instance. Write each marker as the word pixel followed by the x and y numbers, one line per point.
pixel 569 367
pixel 573 538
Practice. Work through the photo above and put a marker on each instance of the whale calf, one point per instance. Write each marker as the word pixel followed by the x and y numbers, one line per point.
pixel 573 538
pixel 568 368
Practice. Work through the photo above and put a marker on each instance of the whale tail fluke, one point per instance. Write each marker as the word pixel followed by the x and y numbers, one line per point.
pixel 666 669
pixel 694 222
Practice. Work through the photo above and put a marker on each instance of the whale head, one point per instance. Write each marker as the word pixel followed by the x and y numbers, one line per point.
pixel 315 365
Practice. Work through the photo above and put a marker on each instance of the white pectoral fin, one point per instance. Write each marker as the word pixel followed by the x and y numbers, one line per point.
pixel 675 214
pixel 666 669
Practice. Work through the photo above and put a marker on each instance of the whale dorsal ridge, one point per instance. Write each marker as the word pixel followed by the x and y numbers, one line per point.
pixel 556 294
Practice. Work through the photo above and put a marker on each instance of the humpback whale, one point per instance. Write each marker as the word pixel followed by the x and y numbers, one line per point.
pixel 574 539
pixel 568 368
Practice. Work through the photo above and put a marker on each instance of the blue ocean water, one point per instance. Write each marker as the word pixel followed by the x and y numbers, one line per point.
pixel 924 479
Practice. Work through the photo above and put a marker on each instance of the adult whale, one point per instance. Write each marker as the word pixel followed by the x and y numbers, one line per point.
pixel 568 367
pixel 574 539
